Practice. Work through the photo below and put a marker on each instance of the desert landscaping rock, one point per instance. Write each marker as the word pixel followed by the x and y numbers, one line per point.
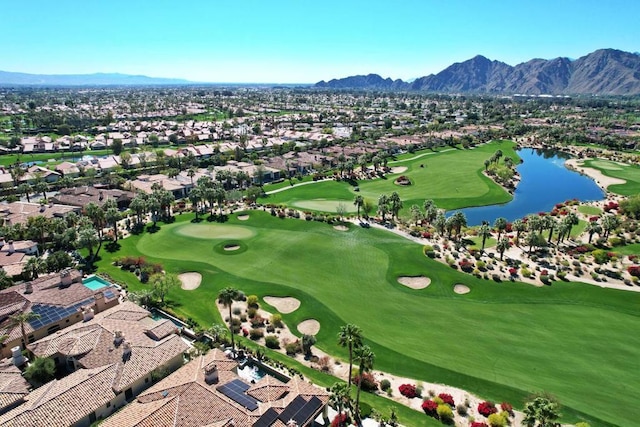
pixel 419 282
pixel 190 281
pixel 284 305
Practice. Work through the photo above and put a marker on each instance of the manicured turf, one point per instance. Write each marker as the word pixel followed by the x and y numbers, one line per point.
pixel 452 178
pixel 589 210
pixel 630 173
pixel 502 340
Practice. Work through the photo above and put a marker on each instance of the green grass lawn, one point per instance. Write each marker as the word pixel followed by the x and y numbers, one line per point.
pixel 502 340
pixel 452 178
pixel 589 210
pixel 630 173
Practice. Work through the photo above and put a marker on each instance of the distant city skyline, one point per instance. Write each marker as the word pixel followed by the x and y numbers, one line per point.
pixel 294 41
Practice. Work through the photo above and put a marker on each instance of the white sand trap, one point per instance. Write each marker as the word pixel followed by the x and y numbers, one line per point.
pixel 419 282
pixel 231 247
pixel 190 281
pixel 309 327
pixel 399 169
pixel 243 217
pixel 461 289
pixel 341 227
pixel 284 305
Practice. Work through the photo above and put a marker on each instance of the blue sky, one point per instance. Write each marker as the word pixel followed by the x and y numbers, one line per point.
pixel 301 41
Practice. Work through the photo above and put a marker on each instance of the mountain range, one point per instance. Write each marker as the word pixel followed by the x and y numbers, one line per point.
pixel 8 78
pixel 603 72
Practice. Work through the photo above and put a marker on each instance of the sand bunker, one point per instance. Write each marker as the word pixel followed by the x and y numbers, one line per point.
pixel 461 289
pixel 341 227
pixel 309 327
pixel 399 169
pixel 419 282
pixel 231 247
pixel 190 281
pixel 243 217
pixel 283 304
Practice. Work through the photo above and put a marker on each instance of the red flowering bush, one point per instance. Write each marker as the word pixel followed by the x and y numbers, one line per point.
pixel 582 249
pixel 507 407
pixel 513 271
pixel 487 408
pixel 593 218
pixel 408 390
pixel 634 270
pixel 426 235
pixel 632 258
pixel 430 407
pixel 478 424
pixel 447 398
pixel 610 206
pixel 466 265
pixel 509 228
pixel 369 382
pixel 339 420
pixel 544 272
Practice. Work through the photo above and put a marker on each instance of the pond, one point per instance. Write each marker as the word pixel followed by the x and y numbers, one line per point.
pixel 545 181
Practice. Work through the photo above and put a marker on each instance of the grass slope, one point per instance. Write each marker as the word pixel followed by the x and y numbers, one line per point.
pixel 502 340
pixel 630 173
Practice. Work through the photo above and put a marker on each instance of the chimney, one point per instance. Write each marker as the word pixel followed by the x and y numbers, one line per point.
pixel 28 288
pixel 118 337
pixel 18 358
pixel 87 314
pixel 65 278
pixel 211 373
pixel 11 248
pixel 126 351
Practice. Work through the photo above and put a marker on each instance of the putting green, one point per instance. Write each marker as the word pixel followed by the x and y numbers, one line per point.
pixel 609 165
pixel 324 205
pixel 215 231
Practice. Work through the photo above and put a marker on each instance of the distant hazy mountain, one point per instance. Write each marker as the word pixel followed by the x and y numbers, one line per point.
pixel 97 79
pixel 605 71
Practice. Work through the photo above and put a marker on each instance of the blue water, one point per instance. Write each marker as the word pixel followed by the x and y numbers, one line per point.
pixel 545 181
pixel 95 283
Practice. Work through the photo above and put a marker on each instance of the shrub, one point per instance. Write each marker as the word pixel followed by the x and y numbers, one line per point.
pixel 634 270
pixel 447 398
pixel 340 420
pixel 438 400
pixel 497 420
pixel 252 301
pixel 487 408
pixel 237 311
pixel 445 413
pixel 272 341
pixel 369 383
pixel 276 320
pixel 507 407
pixel 408 390
pixel 292 348
pixel 256 334
pixel 430 407
pixel 385 385
pixel 461 410
pixel 478 424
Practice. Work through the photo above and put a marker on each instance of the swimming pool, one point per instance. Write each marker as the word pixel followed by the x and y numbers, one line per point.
pixel 95 282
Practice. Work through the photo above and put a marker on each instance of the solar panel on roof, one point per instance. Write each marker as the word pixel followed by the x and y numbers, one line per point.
pixel 235 390
pixel 267 418
pixel 292 408
pixel 307 410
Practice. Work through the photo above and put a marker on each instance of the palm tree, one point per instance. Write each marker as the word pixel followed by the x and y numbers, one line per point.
pixel 195 195
pixel 365 357
pixel 112 216
pixel 518 226
pixel 459 220
pixel 395 204
pixel 25 189
pixel 358 202
pixel 350 336
pixel 33 267
pixel 5 280
pixel 416 214
pixel 139 205
pixel 550 224
pixel 500 224
pixel 502 246
pixel 144 297
pixel 440 223
pixel 19 320
pixel 339 396
pixel 592 228
pixel 226 297
pixel 383 205
pixel 88 238
pixel 572 219
pixel 484 232
pixel 217 331
pixel 609 223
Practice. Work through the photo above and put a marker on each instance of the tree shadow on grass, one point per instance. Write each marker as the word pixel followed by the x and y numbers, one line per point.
pixel 112 247
pixel 197 220
pixel 153 228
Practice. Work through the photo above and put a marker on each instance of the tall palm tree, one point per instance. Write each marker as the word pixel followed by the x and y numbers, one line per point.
pixel 502 246
pixel 350 336
pixel 365 357
pixel 25 189
pixel 592 228
pixel 383 205
pixel 19 320
pixel 550 224
pixel 459 221
pixel 518 226
pixel 217 331
pixel 358 202
pixel 572 219
pixel 395 204
pixel 34 266
pixel 484 232
pixel 500 224
pixel 226 297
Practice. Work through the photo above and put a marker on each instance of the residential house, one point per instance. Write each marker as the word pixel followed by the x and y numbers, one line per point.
pixel 113 357
pixel 13 386
pixel 81 196
pixel 20 212
pixel 58 299
pixel 208 392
